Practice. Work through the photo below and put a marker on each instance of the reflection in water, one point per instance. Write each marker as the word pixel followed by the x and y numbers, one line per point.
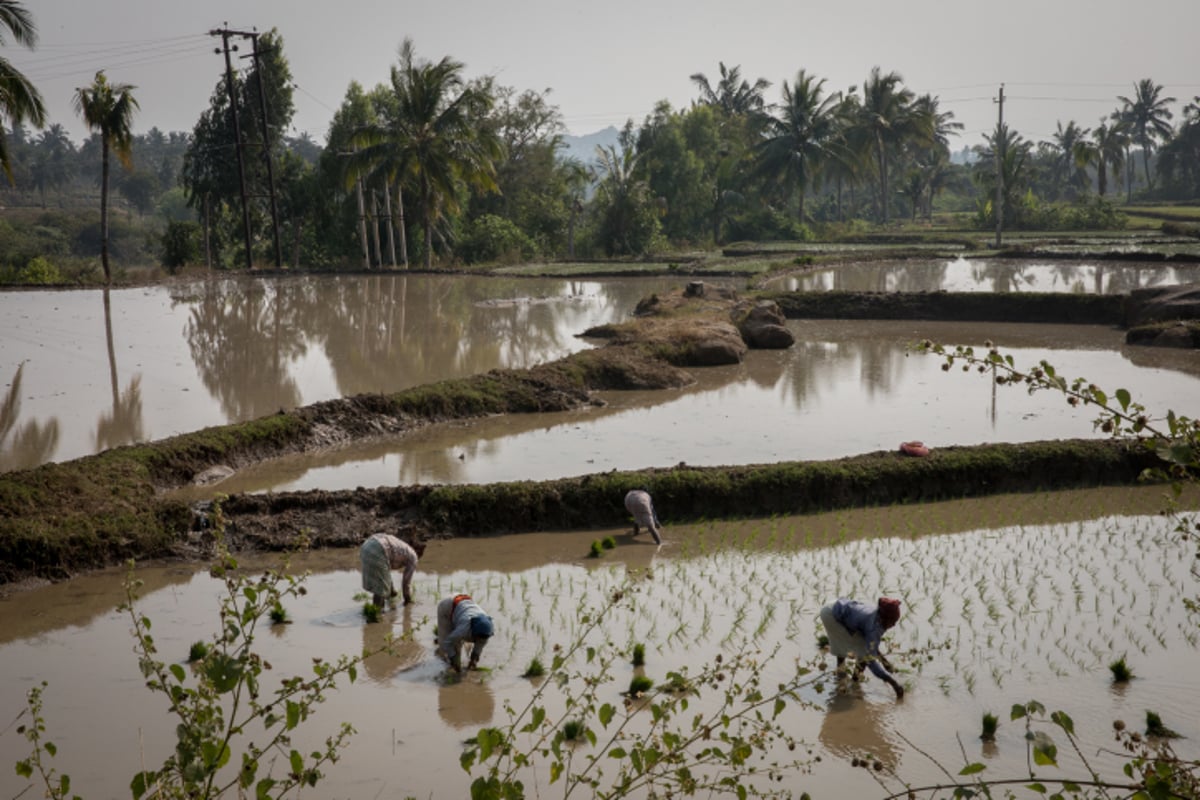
pixel 855 727
pixel 231 349
pixel 844 388
pixel 466 702
pixel 404 652
pixel 30 444
pixel 988 275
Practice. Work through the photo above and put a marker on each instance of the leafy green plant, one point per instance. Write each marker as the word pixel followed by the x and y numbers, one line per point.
pixel 222 699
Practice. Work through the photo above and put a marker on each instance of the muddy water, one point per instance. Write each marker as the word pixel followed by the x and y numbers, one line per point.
pixel 844 388
pixel 83 371
pixel 988 275
pixel 1005 599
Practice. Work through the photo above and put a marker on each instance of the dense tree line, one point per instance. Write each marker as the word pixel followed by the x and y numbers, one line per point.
pixel 428 167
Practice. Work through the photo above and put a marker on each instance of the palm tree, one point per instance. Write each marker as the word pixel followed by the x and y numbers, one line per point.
pixel 433 138
pixel 732 95
pixel 19 100
pixel 1147 114
pixel 889 116
pixel 52 160
pixel 800 139
pixel 107 108
pixel 1106 148
pixel 1069 157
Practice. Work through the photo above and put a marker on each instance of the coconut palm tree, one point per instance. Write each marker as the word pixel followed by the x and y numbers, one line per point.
pixel 432 138
pixel 890 117
pixel 1105 149
pixel 1148 116
pixel 107 109
pixel 19 100
pixel 800 140
pixel 733 95
pixel 52 159
pixel 1069 158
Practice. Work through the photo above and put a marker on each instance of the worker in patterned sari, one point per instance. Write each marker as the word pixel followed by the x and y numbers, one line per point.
pixel 379 555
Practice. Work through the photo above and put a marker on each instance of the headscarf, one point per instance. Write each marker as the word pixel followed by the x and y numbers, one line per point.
pixel 481 626
pixel 889 611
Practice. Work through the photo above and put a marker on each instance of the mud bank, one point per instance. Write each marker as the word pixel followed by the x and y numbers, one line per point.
pixel 682 493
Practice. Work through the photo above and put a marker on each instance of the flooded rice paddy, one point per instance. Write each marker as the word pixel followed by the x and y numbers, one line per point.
pixel 1005 600
pixel 988 275
pixel 81 374
pixel 844 388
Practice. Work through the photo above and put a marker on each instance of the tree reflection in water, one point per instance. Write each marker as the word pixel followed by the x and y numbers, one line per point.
pixel 123 424
pixel 27 445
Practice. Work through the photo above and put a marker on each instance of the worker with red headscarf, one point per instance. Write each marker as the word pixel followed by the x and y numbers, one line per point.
pixel 856 629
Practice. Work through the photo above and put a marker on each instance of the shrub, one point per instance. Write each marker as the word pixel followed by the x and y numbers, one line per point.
pixel 180 244
pixel 493 238
pixel 39 271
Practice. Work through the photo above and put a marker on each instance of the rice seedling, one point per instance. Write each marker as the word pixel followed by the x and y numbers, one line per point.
pixel 536 668
pixel 1121 671
pixel 371 612
pixel 608 543
pixel 573 730
pixel 639 685
pixel 1155 726
pixel 638 656
pixel 197 651
pixel 596 550
pixel 279 615
pixel 990 724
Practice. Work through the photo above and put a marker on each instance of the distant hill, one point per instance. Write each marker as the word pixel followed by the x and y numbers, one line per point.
pixel 584 147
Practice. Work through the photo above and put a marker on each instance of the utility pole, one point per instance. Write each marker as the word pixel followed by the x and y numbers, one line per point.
pixel 262 102
pixel 999 148
pixel 225 33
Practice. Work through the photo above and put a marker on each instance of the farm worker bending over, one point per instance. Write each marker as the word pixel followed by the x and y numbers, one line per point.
pixel 460 621
pixel 638 503
pixel 380 554
pixel 856 629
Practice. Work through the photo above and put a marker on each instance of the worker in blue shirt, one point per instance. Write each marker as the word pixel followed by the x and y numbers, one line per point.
pixel 856 629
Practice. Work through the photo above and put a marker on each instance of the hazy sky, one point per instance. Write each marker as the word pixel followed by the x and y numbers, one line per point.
pixel 610 60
